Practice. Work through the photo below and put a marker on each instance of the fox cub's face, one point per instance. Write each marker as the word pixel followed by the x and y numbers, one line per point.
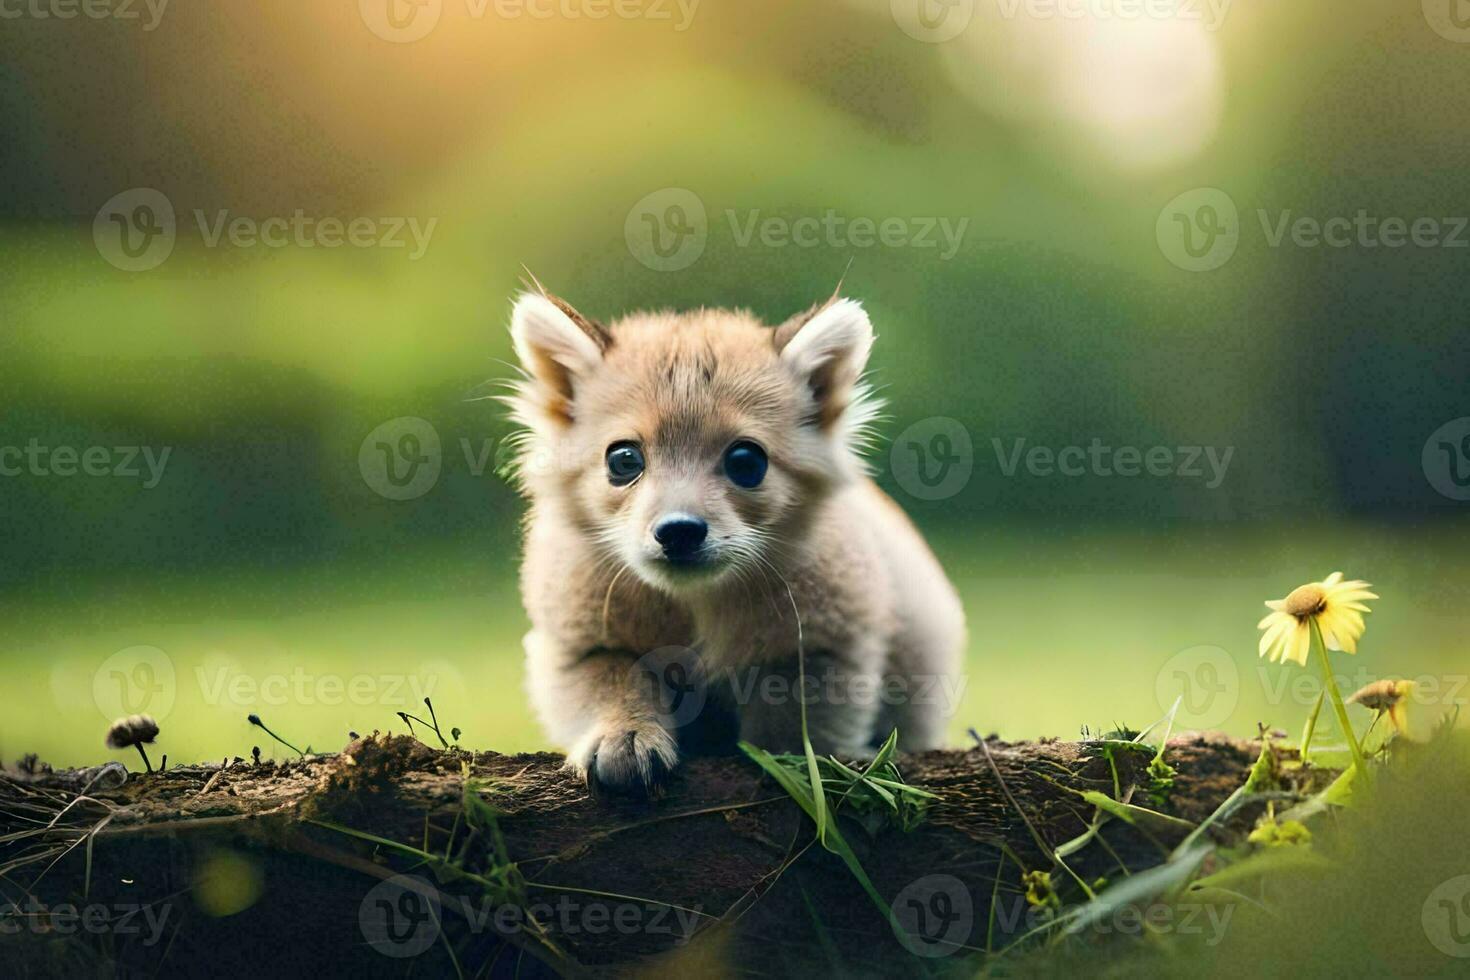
pixel 689 447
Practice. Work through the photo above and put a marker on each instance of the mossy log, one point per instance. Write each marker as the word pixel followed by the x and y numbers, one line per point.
pixel 305 867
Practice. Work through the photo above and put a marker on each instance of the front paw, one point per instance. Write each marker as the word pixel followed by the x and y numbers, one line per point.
pixel 626 757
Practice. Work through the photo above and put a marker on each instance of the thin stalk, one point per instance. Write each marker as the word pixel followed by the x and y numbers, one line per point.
pixel 255 720
pixel 1335 696
pixel 408 720
pixel 435 725
pixel 146 764
pixel 1311 728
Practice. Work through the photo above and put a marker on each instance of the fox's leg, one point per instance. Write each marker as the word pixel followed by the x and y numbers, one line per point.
pixel 925 676
pixel 920 707
pixel 921 693
pixel 606 707
pixel 842 699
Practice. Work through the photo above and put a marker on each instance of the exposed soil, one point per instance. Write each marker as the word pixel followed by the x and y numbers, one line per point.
pixel 711 859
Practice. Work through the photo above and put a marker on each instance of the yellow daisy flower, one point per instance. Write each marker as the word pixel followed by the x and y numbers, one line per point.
pixel 1335 605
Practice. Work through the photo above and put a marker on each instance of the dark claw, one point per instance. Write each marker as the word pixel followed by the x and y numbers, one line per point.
pixel 658 778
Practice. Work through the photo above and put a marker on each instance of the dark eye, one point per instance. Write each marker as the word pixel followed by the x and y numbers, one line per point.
pixel 745 464
pixel 624 463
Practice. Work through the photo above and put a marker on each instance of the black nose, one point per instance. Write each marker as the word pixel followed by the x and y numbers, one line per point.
pixel 681 536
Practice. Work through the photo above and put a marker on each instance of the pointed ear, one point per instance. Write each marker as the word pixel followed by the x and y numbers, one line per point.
pixel 827 348
pixel 557 346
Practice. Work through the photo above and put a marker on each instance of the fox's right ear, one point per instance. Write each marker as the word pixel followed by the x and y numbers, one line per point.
pixel 557 346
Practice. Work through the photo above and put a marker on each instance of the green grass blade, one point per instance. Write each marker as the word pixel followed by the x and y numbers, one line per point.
pixel 783 777
pixel 819 796
pixel 1139 889
pixel 1258 780
pixel 1129 813
pixel 1339 793
pixel 1167 721
pixel 1067 849
pixel 1271 861
pixel 885 752
pixel 833 841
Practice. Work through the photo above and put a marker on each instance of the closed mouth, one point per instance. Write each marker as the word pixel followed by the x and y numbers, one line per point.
pixel 688 562
pixel 690 566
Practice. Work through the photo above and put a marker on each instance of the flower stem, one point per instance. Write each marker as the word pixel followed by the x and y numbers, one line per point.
pixel 1335 696
pixel 1311 728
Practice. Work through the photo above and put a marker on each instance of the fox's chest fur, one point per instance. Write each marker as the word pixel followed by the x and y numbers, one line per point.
pixel 697 498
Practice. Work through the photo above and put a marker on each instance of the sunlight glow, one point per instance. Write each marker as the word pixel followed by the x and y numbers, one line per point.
pixel 1138 95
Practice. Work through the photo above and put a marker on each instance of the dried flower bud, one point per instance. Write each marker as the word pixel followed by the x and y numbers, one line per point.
pixel 132 730
pixel 1381 695
pixel 1388 698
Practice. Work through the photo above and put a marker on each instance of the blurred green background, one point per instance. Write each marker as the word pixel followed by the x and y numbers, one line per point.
pixel 264 572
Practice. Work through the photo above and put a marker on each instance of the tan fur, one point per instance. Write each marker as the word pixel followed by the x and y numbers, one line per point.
pixel 816 560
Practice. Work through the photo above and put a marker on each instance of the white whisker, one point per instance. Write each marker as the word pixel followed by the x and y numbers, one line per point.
pixel 607 603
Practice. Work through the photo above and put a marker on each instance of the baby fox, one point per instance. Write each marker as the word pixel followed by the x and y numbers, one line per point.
pixel 701 519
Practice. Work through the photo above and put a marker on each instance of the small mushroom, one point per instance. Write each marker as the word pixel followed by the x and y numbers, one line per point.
pixel 134 730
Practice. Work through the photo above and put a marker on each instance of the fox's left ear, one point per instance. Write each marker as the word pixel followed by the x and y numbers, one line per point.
pixel 828 349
